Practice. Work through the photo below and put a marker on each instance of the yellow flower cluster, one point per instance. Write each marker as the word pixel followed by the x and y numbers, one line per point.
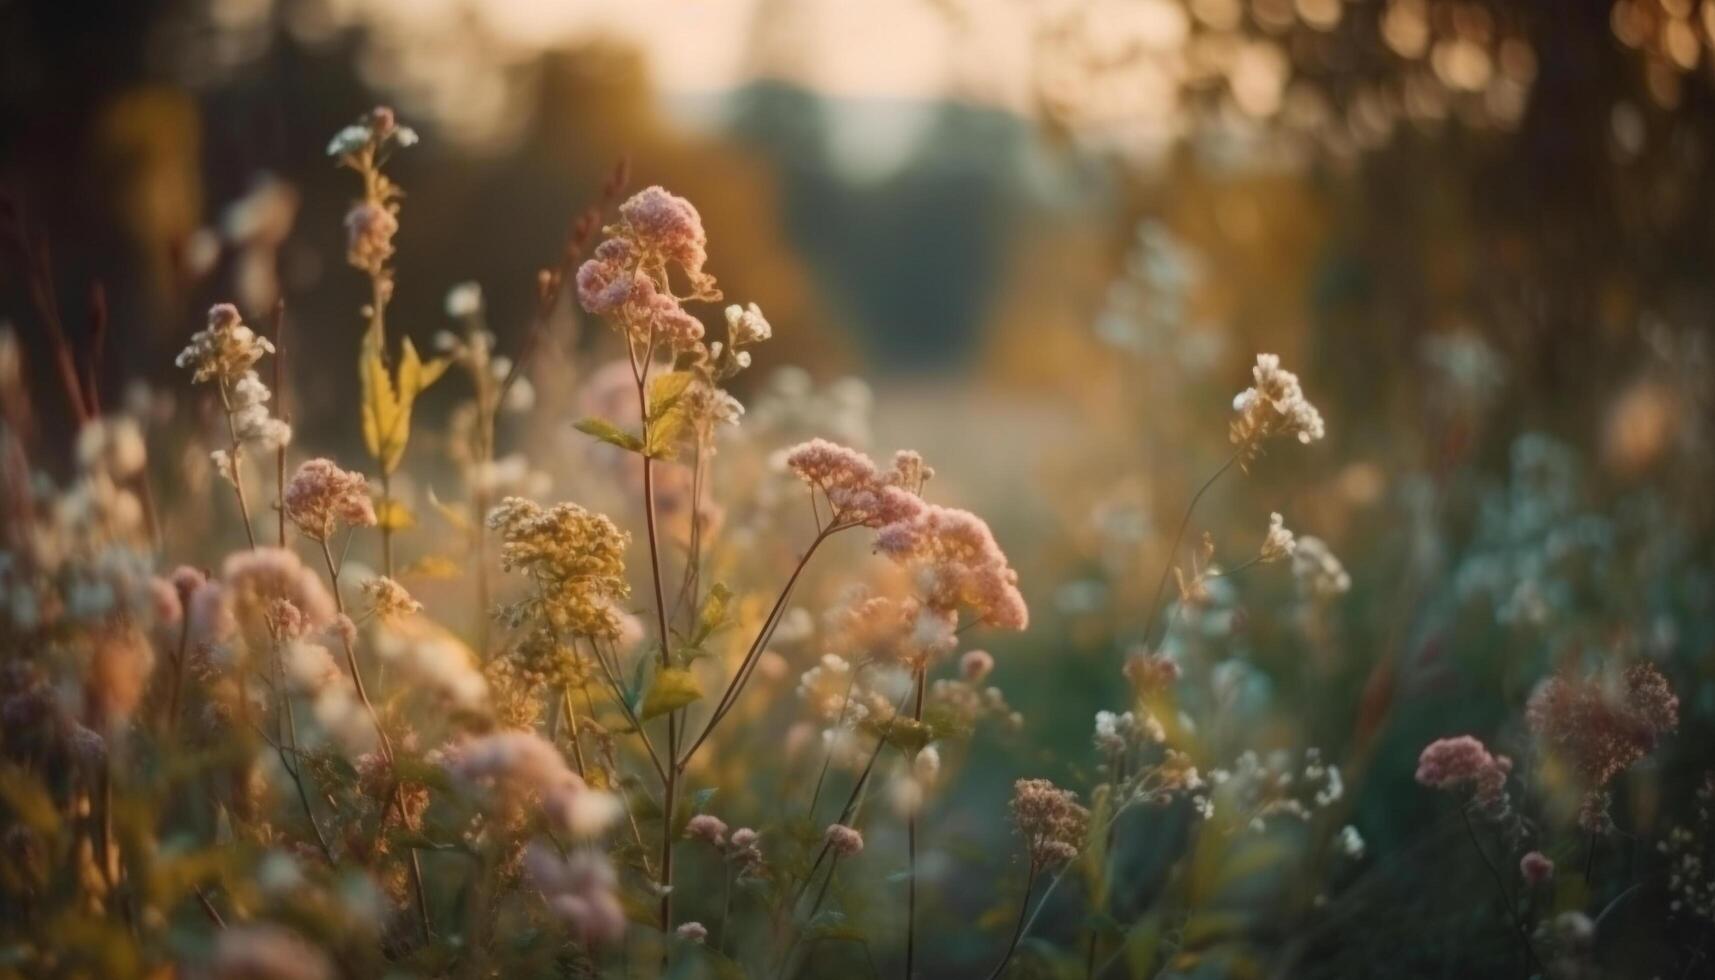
pixel 575 557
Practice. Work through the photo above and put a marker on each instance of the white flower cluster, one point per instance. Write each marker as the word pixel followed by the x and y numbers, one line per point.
pixel 1319 573
pixel 1274 406
pixel 1262 790
pixel 1278 543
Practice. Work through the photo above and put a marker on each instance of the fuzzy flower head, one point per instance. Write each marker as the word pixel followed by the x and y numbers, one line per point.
pixel 1278 543
pixel 959 565
pixel 1604 724
pixel 369 231
pixel 1536 868
pixel 581 890
pixel 518 774
pixel 1050 820
pixel 1319 573
pixel 321 497
pixel 856 490
pixel 1274 406
pixel 1460 763
pixel 629 278
pixel 376 129
pixel 388 599
pixel 575 556
pixel 265 595
pixel 666 229
pixel 844 841
pixel 708 828
pixel 225 350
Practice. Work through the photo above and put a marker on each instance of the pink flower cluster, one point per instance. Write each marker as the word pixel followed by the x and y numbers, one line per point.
pixel 844 841
pixel 1536 868
pixel 628 275
pixel 1455 763
pixel 517 771
pixel 962 564
pixel 580 889
pixel 1603 727
pixel 321 496
pixel 858 491
pixel 262 594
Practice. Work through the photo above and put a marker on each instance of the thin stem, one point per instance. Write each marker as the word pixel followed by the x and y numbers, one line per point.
pixel 398 793
pixel 572 723
pixel 237 468
pixel 1017 929
pixel 911 848
pixel 1501 886
pixel 1178 538
pixel 280 408
pixel 740 677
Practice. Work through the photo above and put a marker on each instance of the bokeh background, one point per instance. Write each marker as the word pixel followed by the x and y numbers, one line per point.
pixel 1050 237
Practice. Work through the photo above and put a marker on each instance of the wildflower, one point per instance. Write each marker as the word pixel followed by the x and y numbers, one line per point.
pixel 378 127
pixel 255 583
pixel 1603 725
pixel 388 599
pixel 1319 573
pixel 926 765
pixel 1051 821
pixel 369 231
pixel 576 558
pixel 1278 543
pixel 464 300
pixel 1535 868
pixel 692 932
pixel 224 351
pixel 1456 763
pixel 320 497
pixel 1350 842
pixel 1150 673
pixel 605 282
pixel 428 656
pixel 746 325
pixel 667 228
pixel 960 564
pixel 844 841
pixel 261 951
pixel 706 827
pixel 518 772
pixel 857 492
pixel 580 889
pixel 1275 406
pixel 975 665
pixel 112 445
pixel 744 850
pixel 1111 730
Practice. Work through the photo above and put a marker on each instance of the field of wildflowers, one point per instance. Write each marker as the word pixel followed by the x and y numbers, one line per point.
pixel 620 629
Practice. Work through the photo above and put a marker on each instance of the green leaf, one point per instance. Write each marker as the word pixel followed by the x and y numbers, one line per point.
pixel 667 417
pixel 665 392
pixel 672 689
pixel 717 605
pixel 609 433
pixel 905 734
pixel 387 400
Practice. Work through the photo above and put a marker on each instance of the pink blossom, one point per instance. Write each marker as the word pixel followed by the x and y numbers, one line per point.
pixel 321 497
pixel 668 226
pixel 1453 763
pixel 975 665
pixel 706 827
pixel 1536 868
pixel 964 564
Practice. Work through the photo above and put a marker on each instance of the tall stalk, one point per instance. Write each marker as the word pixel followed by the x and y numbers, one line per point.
pixel 911 845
